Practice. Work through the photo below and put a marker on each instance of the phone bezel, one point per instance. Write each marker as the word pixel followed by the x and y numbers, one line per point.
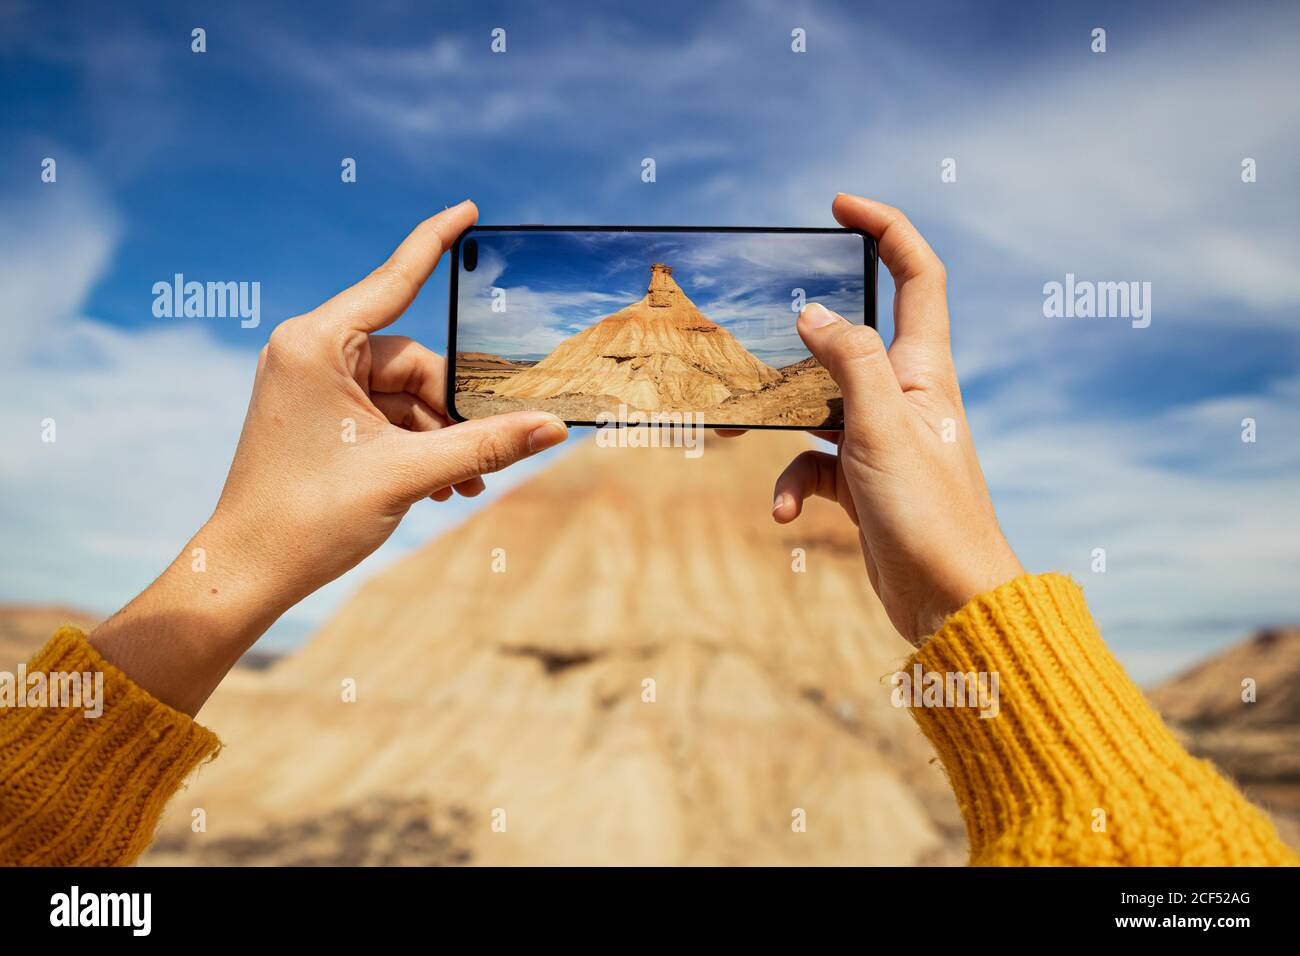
pixel 870 269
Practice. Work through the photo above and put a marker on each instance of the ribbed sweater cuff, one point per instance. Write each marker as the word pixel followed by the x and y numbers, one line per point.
pixel 1074 745
pixel 80 790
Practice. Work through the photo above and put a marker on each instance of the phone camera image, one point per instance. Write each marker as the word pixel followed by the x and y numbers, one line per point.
pixel 611 323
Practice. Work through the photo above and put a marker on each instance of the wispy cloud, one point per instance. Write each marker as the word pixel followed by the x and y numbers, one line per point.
pixel 533 322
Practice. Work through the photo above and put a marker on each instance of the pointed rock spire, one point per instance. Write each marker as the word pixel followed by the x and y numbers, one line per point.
pixel 660 353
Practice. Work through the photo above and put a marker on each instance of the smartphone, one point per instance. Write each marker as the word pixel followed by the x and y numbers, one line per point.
pixel 638 324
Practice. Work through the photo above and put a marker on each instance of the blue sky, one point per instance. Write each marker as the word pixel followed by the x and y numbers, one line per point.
pixel 558 284
pixel 1116 166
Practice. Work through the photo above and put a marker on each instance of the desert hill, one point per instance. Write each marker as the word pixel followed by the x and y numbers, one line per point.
pixel 809 364
pixel 524 691
pixel 1208 696
pixel 1257 743
pixel 805 396
pixel 486 360
pixel 658 353
pixel 24 628
pixel 477 371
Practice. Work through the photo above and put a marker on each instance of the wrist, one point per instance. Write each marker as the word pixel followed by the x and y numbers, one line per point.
pixel 960 588
pixel 184 632
pixel 225 575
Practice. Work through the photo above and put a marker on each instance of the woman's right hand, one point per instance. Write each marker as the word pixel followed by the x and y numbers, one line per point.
pixel 906 471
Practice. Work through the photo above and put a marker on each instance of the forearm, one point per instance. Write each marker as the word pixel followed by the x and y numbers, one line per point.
pixel 1076 768
pixel 180 637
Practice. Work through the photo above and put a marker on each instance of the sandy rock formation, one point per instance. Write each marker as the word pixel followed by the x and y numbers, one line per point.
pixel 486 360
pixel 660 353
pixel 521 695
pixel 478 371
pixel 806 396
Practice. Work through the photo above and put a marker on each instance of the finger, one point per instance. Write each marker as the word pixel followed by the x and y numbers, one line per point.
pixel 920 281
pixel 729 432
pixel 855 356
pixel 466 489
pixel 399 364
pixel 409 412
pixel 902 248
pixel 470 489
pixel 406 411
pixel 811 473
pixel 873 570
pixel 467 450
pixel 382 296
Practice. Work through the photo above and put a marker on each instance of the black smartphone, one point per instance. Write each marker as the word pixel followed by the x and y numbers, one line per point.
pixel 689 325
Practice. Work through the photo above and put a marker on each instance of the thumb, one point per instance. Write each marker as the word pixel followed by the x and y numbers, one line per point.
pixel 436 459
pixel 856 358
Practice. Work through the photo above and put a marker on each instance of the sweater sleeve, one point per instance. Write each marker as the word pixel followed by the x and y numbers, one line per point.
pixel 1073 766
pixel 80 789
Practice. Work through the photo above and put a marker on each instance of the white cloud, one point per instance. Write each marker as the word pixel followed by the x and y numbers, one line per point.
pixel 1198 526
pixel 48 272
pixel 409 91
pixel 145 421
pixel 533 319
pixel 1117 166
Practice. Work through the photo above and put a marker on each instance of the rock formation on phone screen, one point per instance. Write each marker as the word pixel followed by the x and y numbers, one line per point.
pixel 659 354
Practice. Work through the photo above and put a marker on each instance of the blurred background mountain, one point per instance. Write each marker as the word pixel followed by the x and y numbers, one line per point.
pixel 520 695
pixel 1256 743
pixel 648 680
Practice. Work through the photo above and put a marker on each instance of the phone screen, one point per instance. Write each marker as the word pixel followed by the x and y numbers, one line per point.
pixel 600 325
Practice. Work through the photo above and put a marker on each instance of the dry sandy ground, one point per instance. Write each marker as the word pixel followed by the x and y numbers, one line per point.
pixel 804 397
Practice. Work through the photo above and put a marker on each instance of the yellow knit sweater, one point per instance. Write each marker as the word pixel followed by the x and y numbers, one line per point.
pixel 82 791
pixel 1076 768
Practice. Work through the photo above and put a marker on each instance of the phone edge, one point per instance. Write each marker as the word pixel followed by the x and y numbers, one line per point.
pixel 870 267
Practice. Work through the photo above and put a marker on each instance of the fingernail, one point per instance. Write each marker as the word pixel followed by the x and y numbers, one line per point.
pixel 780 501
pixel 816 315
pixel 547 435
